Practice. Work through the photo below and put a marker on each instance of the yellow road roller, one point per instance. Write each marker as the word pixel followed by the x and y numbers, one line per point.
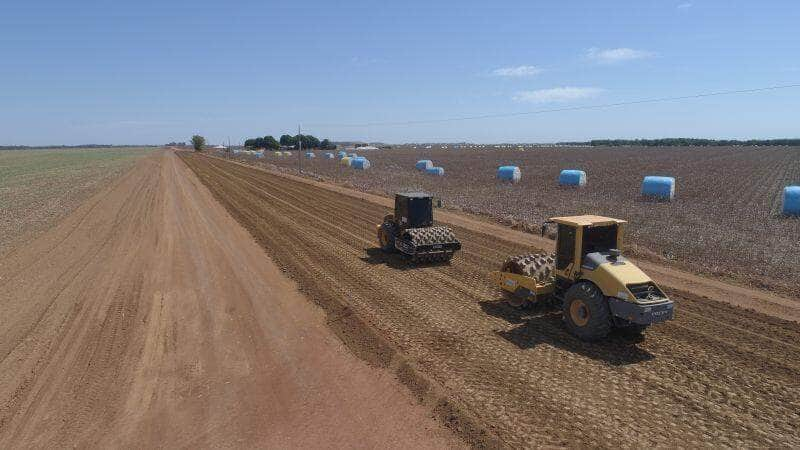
pixel 597 288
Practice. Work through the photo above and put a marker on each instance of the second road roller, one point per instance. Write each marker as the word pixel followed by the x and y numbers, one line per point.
pixel 596 287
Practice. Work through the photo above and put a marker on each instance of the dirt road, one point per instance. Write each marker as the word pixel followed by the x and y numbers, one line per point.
pixel 150 318
pixel 718 375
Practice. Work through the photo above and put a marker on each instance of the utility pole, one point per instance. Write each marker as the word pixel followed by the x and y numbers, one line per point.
pixel 299 150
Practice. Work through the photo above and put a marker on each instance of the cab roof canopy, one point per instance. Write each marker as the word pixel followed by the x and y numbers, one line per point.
pixel 587 220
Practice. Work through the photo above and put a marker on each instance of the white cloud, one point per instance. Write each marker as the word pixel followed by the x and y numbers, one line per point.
pixel 684 6
pixel 559 94
pixel 613 55
pixel 517 72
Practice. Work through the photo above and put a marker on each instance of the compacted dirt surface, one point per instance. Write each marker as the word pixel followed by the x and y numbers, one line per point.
pixel 718 375
pixel 150 318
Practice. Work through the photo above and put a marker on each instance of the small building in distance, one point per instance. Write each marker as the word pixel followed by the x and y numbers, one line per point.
pixel 351 147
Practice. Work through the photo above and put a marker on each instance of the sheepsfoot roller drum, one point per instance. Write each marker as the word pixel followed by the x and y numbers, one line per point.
pixel 428 244
pixel 597 289
pixel 411 231
pixel 534 265
pixel 526 279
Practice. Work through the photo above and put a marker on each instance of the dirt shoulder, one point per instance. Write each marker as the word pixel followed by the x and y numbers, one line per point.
pixel 764 302
pixel 150 318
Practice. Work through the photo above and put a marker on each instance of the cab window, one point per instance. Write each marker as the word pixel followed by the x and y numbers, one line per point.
pixel 565 247
pixel 599 239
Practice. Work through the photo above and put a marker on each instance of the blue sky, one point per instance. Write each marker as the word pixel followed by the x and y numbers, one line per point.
pixel 150 72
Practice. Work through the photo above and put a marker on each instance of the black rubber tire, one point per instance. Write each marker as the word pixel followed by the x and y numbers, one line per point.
pixel 386 236
pixel 586 301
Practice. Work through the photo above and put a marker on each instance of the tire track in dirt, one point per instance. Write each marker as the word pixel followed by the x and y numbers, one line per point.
pixel 717 375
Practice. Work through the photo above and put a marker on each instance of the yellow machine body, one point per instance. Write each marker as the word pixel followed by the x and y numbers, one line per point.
pixel 613 279
pixel 587 251
pixel 514 283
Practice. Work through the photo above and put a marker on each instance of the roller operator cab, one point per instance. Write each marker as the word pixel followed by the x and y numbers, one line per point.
pixel 597 287
pixel 413 209
pixel 410 230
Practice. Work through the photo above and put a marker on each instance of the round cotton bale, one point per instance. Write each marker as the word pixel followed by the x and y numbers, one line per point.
pixel 341 155
pixel 509 173
pixel 328 155
pixel 346 161
pixel 791 200
pixel 278 153
pixel 424 164
pixel 660 188
pixel 572 177
pixel 438 171
pixel 259 154
pixel 310 155
pixel 353 155
pixel 360 163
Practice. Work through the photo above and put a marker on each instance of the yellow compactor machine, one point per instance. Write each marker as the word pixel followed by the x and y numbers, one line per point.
pixel 597 288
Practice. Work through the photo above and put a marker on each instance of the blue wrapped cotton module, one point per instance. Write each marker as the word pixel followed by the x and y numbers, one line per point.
pixel 662 188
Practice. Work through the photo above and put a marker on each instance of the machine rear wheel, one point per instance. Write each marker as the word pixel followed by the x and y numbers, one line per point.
pixel 586 312
pixel 386 236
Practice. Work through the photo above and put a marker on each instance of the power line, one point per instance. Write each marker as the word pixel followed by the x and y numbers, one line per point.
pixel 569 108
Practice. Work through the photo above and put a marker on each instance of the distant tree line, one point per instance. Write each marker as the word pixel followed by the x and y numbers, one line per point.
pixel 683 142
pixel 286 140
pixel 268 142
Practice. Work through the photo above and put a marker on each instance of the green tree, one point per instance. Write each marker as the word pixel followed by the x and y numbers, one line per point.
pixel 198 142
pixel 267 142
pixel 271 143
pixel 327 145
pixel 288 140
pixel 308 141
